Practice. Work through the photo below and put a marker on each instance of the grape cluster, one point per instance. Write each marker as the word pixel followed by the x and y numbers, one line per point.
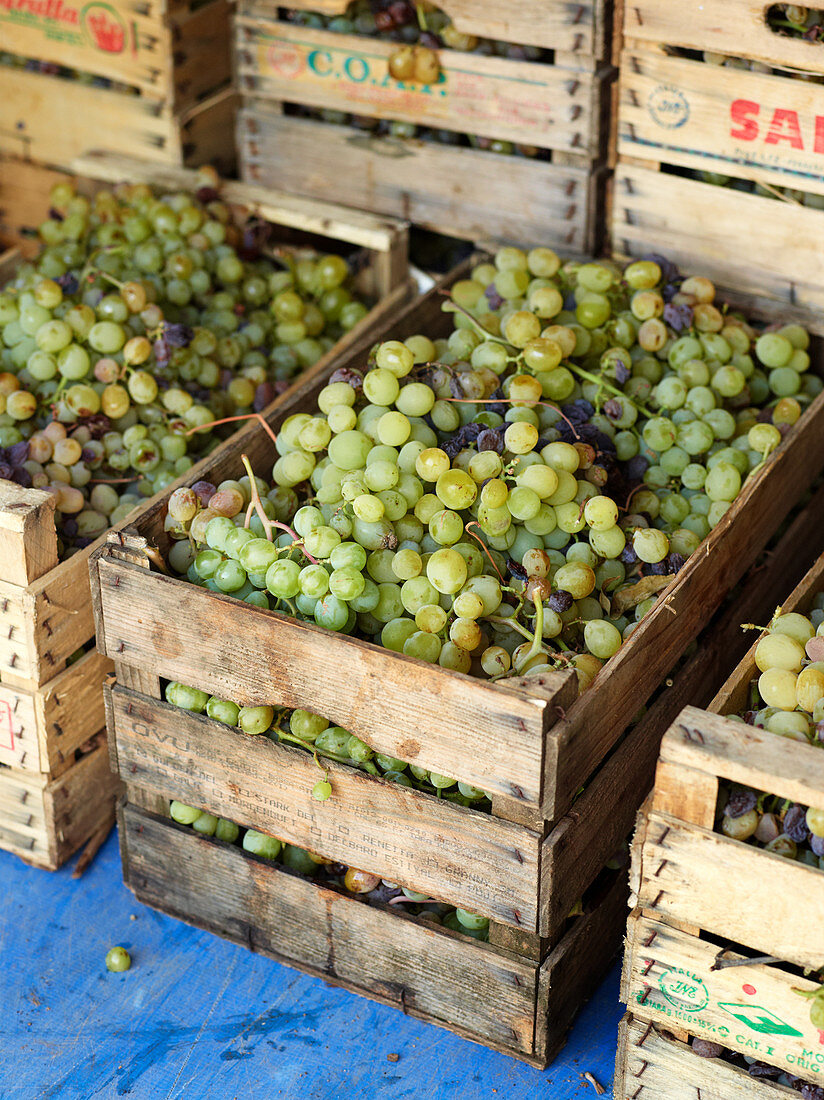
pixel 317 735
pixel 370 888
pixel 763 1071
pixel 515 496
pixel 142 320
pixel 412 25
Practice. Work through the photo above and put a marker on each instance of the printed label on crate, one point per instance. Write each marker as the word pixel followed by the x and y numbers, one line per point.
pixel 781 1034
pixel 723 121
pixel 96 24
pixel 517 101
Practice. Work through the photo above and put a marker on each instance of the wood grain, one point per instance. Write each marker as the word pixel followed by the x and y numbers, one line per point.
pixel 486 734
pixel 653 1065
pixel 540 104
pixel 730 889
pixel 28 538
pixel 510 198
pixel 462 856
pixel 670 976
pixel 430 972
pixel 721 26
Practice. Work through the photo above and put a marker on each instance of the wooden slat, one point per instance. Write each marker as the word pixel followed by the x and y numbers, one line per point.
pixel 653 210
pixel 511 198
pixel 80 803
pixel 718 119
pixel 23 827
pixel 565 25
pixel 18 658
pixel 746 754
pixel 730 889
pixel 652 1065
pixel 540 104
pixel 755 1009
pixel 432 973
pixel 595 722
pixel 486 734
pixel 28 539
pixel 462 856
pixel 736 27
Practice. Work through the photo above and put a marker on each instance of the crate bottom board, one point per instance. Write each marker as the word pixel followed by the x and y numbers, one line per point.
pixel 653 1065
pixel 468 193
pixel 482 993
pixel 44 821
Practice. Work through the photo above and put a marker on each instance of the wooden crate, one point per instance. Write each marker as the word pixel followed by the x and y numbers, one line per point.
pixel 678 115
pixel 484 993
pixel 542 777
pixel 654 1065
pixel 554 106
pixel 48 709
pixel 45 821
pixel 53 121
pixel 698 891
pixel 581 29
pixel 470 193
pixel 174 51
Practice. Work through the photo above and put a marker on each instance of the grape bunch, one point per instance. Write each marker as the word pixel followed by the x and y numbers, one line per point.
pixel 142 320
pixel 370 888
pixel 515 496
pixel 763 1071
pixel 320 737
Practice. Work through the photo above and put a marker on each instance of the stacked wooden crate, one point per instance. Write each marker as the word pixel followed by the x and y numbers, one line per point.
pixel 558 106
pixel 56 787
pixel 725 936
pixel 144 79
pixel 530 743
pixel 685 118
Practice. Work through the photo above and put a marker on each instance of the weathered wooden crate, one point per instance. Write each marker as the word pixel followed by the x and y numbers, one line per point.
pixel 551 105
pixel 49 708
pixel 677 113
pixel 581 29
pixel 175 51
pixel 654 1065
pixel 53 121
pixel 736 27
pixel 45 820
pixel 698 891
pixel 470 193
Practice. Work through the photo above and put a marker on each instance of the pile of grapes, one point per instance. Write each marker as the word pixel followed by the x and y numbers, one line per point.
pixel 62 72
pixel 515 496
pixel 327 872
pixel 317 735
pixel 142 320
pixel 763 1071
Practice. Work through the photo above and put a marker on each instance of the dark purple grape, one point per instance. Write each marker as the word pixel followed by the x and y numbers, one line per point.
pixel 516 569
pixel 490 439
pixel 764 1071
pixel 636 467
pixel 560 601
pixel 493 297
pixel 812 1092
pixel 67 281
pixel 678 317
pixel 705 1049
pixel 795 823
pixel 675 562
pixel 622 373
pixel 205 491
pixel 628 555
pixel 741 802
pixel 817 845
pixel 207 194
pixel 177 336
pixel 351 377
pixel 264 394
pixel 669 272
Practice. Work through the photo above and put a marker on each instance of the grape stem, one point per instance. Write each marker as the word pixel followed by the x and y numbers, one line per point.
pixel 230 419
pixel 473 320
pixel 256 506
pixel 596 381
pixel 483 546
pixel 536 646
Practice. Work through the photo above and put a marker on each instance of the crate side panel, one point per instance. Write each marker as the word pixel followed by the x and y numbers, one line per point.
pixel 655 1066
pixel 428 972
pixel 720 26
pixel 654 210
pixel 539 104
pixel 470 859
pixel 73 708
pixel 28 538
pixel 82 801
pixel 730 889
pixel 23 821
pixel 20 730
pixel 462 192
pixel 672 979
pixel 718 119
pixel 481 733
